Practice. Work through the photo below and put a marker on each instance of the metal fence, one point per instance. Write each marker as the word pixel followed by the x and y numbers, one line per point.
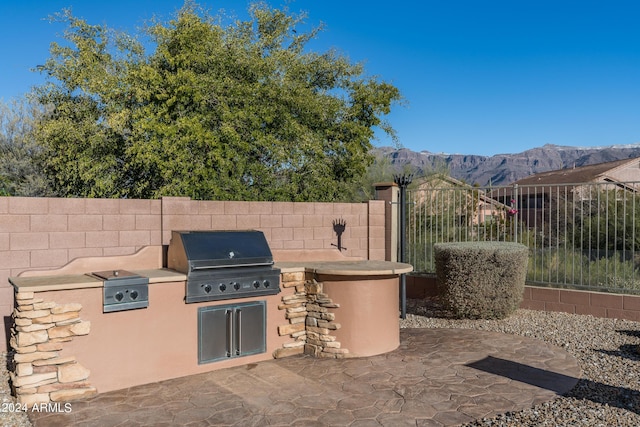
pixel 584 235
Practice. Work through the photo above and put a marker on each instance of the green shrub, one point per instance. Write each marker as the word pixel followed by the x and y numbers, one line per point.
pixel 481 280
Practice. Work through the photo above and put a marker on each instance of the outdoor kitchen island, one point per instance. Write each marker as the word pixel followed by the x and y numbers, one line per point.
pixel 367 293
pixel 68 346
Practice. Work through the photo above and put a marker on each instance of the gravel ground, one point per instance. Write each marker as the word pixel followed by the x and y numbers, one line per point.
pixel 607 350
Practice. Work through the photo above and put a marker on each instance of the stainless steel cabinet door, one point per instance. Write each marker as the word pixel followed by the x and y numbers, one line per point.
pixel 251 331
pixel 231 330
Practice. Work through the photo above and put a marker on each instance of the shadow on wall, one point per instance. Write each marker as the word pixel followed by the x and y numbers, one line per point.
pixel 8 324
pixel 339 225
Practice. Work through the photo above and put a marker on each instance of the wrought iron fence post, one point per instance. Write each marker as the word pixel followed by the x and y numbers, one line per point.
pixel 403 182
pixel 515 217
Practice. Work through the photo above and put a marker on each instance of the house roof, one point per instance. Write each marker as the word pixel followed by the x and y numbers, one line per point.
pixel 440 180
pixel 580 174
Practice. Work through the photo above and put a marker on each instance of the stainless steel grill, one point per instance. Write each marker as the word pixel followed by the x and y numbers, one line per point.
pixel 223 264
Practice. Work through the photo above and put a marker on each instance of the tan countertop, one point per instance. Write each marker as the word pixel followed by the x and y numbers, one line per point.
pixel 80 281
pixel 161 275
pixel 347 268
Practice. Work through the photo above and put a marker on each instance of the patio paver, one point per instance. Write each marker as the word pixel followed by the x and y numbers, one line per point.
pixel 437 377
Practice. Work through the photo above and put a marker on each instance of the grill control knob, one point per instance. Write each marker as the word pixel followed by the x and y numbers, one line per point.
pixel 222 287
pixel 207 288
pixel 119 296
pixel 236 285
pixel 266 283
pixel 256 284
pixel 133 295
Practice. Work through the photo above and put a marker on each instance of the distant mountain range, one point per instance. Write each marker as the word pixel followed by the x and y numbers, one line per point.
pixel 504 169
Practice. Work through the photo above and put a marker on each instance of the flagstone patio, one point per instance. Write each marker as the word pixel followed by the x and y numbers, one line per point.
pixel 437 377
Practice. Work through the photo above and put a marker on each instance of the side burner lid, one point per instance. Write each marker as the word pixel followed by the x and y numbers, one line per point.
pixel 115 274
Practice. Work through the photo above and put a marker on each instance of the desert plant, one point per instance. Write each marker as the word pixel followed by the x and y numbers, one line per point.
pixel 481 280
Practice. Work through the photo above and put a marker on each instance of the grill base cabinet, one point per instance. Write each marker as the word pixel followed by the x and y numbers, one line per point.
pixel 232 330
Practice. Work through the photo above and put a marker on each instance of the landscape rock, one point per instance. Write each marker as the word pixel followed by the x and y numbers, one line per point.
pixel 32 379
pixel 72 372
pixel 64 308
pixel 37 355
pixel 81 328
pixel 73 394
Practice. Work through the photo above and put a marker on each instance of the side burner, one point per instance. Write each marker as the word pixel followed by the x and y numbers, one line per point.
pixel 123 290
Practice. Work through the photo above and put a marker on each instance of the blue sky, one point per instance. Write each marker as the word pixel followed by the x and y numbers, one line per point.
pixel 479 77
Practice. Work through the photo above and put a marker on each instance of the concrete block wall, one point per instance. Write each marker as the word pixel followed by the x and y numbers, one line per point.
pixel 286 225
pixel 598 304
pixel 47 233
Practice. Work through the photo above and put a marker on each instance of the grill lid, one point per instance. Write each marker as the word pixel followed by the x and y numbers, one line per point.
pixel 199 250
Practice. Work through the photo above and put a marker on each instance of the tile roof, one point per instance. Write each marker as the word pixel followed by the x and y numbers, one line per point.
pixel 580 174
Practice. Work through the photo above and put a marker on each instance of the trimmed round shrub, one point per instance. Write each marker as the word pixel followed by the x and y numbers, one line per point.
pixel 481 280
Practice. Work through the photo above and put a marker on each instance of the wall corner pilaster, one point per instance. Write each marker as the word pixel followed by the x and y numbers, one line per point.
pixel 389 192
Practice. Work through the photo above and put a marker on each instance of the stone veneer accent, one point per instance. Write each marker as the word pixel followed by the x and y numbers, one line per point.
pixel 310 321
pixel 38 373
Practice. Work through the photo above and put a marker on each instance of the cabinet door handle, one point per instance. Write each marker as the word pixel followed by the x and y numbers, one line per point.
pixel 229 315
pixel 239 331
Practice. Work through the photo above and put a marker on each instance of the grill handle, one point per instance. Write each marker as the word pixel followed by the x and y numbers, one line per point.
pixel 229 314
pixel 213 267
pixel 239 332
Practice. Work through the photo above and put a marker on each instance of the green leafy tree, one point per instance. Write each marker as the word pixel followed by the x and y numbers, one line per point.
pixel 20 175
pixel 85 133
pixel 242 111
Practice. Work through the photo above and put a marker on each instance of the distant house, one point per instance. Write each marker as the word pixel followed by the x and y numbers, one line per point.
pixel 537 193
pixel 617 172
pixel 441 195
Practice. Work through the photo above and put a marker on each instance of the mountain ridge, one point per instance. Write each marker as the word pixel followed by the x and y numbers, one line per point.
pixel 504 169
